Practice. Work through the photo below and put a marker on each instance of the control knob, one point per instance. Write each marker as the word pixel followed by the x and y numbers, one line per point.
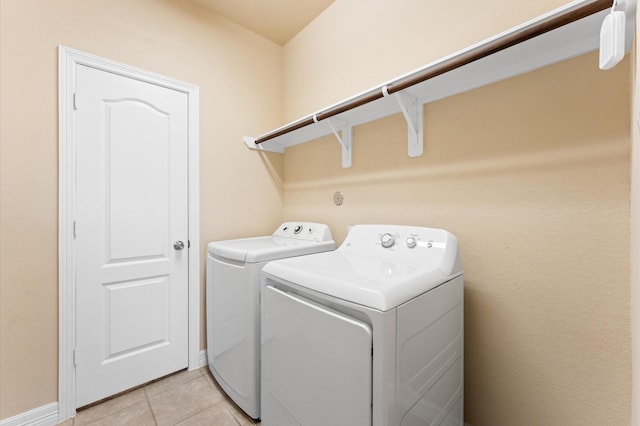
pixel 297 229
pixel 411 242
pixel 387 240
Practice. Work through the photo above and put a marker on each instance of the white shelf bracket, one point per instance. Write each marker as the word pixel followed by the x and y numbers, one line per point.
pixel 412 110
pixel 251 143
pixel 345 137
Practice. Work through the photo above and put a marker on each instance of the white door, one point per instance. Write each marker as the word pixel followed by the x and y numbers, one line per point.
pixel 132 206
pixel 316 364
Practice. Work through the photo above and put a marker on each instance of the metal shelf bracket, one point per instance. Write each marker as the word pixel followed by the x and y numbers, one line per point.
pixel 345 137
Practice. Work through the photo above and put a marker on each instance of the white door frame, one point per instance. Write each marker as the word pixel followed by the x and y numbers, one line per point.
pixel 68 60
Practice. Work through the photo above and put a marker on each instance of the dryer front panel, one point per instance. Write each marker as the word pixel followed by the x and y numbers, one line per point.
pixel 316 364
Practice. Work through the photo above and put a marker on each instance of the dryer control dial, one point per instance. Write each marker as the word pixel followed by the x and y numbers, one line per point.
pixel 387 240
pixel 411 242
pixel 297 229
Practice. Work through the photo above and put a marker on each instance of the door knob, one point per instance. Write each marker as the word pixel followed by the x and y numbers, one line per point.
pixel 178 245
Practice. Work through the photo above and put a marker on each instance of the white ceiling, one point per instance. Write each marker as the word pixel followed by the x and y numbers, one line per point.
pixel 277 20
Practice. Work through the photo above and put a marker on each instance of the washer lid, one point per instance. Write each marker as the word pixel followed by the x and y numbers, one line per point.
pixel 364 272
pixel 290 239
pixel 259 249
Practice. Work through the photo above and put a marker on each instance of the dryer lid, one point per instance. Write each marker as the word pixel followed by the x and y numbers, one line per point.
pixel 362 271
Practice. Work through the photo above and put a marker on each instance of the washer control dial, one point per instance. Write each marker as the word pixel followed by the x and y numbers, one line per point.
pixel 297 229
pixel 411 242
pixel 387 240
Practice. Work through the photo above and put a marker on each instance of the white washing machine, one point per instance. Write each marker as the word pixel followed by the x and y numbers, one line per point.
pixel 233 303
pixel 368 334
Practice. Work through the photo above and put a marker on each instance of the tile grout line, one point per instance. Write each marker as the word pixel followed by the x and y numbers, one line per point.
pixel 153 415
pixel 225 403
pixel 108 414
pixel 192 379
pixel 169 389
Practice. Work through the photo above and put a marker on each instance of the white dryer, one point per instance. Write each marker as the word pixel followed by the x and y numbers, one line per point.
pixel 368 334
pixel 233 303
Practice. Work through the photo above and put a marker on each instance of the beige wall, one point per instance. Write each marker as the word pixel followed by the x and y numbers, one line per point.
pixel 635 234
pixel 240 80
pixel 531 174
pixel 355 45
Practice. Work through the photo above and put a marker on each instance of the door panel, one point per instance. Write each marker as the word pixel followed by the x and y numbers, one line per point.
pixel 126 329
pixel 137 179
pixel 131 284
pixel 316 364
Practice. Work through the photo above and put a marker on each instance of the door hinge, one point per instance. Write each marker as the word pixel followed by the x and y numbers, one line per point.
pixel 75 100
pixel 75 232
pixel 75 357
pixel 188 244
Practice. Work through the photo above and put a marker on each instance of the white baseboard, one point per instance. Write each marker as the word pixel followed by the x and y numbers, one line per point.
pixel 47 415
pixel 204 361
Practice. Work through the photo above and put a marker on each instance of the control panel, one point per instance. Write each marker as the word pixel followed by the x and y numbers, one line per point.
pixel 390 240
pixel 396 238
pixel 396 246
pixel 304 231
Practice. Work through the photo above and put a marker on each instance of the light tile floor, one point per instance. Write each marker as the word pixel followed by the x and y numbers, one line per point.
pixel 186 398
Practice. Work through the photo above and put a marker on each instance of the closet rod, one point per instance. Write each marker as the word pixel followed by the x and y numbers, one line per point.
pixel 509 40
